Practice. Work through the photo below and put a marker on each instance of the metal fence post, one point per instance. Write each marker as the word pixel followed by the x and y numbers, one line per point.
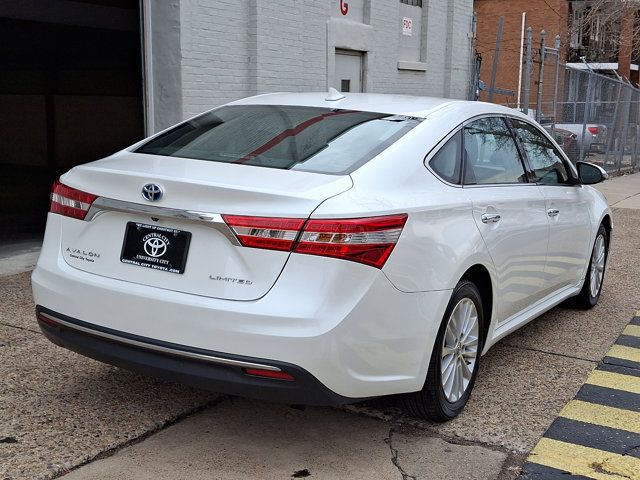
pixel 473 61
pixel 610 140
pixel 587 107
pixel 634 108
pixel 635 148
pixel 555 85
pixel 625 130
pixel 496 59
pixel 543 53
pixel 527 74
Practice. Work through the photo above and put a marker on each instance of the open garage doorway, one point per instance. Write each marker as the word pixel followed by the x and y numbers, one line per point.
pixel 70 93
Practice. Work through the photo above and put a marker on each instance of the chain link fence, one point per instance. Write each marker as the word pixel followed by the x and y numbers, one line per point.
pixel 593 116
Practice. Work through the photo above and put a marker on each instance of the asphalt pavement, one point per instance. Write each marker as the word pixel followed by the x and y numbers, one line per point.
pixel 65 413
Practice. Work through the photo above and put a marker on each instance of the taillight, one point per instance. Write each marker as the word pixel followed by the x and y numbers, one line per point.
pixel 265 232
pixel 593 130
pixel 69 201
pixel 365 240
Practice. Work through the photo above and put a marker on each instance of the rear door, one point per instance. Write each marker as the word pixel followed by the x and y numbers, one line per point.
pixel 567 208
pixel 509 211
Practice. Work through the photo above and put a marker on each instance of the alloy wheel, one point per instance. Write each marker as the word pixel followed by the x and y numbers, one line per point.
pixel 459 349
pixel 598 258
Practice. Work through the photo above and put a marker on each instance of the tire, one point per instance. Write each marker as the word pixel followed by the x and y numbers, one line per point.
pixel 433 402
pixel 588 297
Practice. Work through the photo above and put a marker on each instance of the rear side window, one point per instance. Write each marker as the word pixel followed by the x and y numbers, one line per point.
pixel 446 163
pixel 491 154
pixel 282 136
pixel 547 164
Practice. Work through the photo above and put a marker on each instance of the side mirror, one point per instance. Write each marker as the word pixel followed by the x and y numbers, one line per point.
pixel 591 174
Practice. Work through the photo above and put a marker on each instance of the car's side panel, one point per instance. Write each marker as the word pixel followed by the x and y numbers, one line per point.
pixel 570 232
pixel 438 239
pixel 517 242
pixel 598 210
pixel 439 245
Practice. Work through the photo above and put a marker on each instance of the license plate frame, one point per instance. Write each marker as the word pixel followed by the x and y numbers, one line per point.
pixel 156 247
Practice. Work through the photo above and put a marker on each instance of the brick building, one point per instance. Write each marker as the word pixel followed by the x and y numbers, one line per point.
pixel 552 16
pixel 605 52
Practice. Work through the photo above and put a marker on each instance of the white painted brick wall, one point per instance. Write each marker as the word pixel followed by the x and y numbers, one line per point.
pixel 235 48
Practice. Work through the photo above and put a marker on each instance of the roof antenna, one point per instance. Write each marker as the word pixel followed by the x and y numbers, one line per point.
pixel 334 95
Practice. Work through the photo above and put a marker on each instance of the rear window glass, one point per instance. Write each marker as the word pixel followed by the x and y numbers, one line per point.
pixel 286 137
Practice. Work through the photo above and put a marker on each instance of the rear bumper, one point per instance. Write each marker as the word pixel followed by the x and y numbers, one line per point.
pixel 215 371
pixel 343 323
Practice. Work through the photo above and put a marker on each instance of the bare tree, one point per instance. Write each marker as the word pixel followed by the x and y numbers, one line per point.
pixel 604 30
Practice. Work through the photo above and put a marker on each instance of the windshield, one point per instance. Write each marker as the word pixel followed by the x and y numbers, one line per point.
pixel 286 137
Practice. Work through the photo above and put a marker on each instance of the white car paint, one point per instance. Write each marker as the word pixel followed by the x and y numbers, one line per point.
pixel 361 331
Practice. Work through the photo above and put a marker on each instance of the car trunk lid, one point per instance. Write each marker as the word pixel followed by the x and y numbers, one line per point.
pixel 185 227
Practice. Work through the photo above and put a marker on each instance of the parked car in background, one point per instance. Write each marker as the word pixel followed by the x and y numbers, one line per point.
pixel 320 248
pixel 594 136
pixel 594 139
pixel 567 141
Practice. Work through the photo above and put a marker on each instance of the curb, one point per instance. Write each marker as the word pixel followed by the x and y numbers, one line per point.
pixel 597 434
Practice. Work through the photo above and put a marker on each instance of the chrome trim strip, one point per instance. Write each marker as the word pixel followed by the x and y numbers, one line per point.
pixel 159 348
pixel 212 220
pixel 380 237
pixel 69 202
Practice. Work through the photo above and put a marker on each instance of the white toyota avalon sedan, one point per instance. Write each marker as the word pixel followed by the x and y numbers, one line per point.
pixel 322 249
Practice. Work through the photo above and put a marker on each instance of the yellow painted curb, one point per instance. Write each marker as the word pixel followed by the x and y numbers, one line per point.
pixel 602 415
pixel 589 462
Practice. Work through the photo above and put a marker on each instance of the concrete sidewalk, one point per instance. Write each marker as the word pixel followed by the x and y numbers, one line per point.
pixel 623 191
pixel 241 439
pixel 17 256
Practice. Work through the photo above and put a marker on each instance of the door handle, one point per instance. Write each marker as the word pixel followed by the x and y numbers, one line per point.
pixel 490 218
pixel 553 212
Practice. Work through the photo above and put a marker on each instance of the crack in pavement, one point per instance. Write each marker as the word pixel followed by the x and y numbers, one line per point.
pixel 394 457
pixel 19 328
pixel 510 345
pixel 402 420
pixel 613 205
pixel 162 426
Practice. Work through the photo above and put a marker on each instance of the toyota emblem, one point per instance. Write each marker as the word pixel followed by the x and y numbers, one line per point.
pixel 155 247
pixel 152 192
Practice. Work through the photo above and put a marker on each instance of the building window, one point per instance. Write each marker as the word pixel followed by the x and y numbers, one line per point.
pixel 415 3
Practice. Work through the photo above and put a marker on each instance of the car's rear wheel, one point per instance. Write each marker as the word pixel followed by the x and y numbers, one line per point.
pixel 592 287
pixel 455 358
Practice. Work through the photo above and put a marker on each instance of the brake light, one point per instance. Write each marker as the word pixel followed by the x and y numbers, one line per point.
pixel 70 202
pixel 593 130
pixel 364 240
pixel 265 232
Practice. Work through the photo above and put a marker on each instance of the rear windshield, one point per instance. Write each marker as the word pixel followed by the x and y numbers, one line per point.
pixel 286 137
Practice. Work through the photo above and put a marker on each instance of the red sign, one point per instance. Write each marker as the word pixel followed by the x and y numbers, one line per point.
pixel 344 7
